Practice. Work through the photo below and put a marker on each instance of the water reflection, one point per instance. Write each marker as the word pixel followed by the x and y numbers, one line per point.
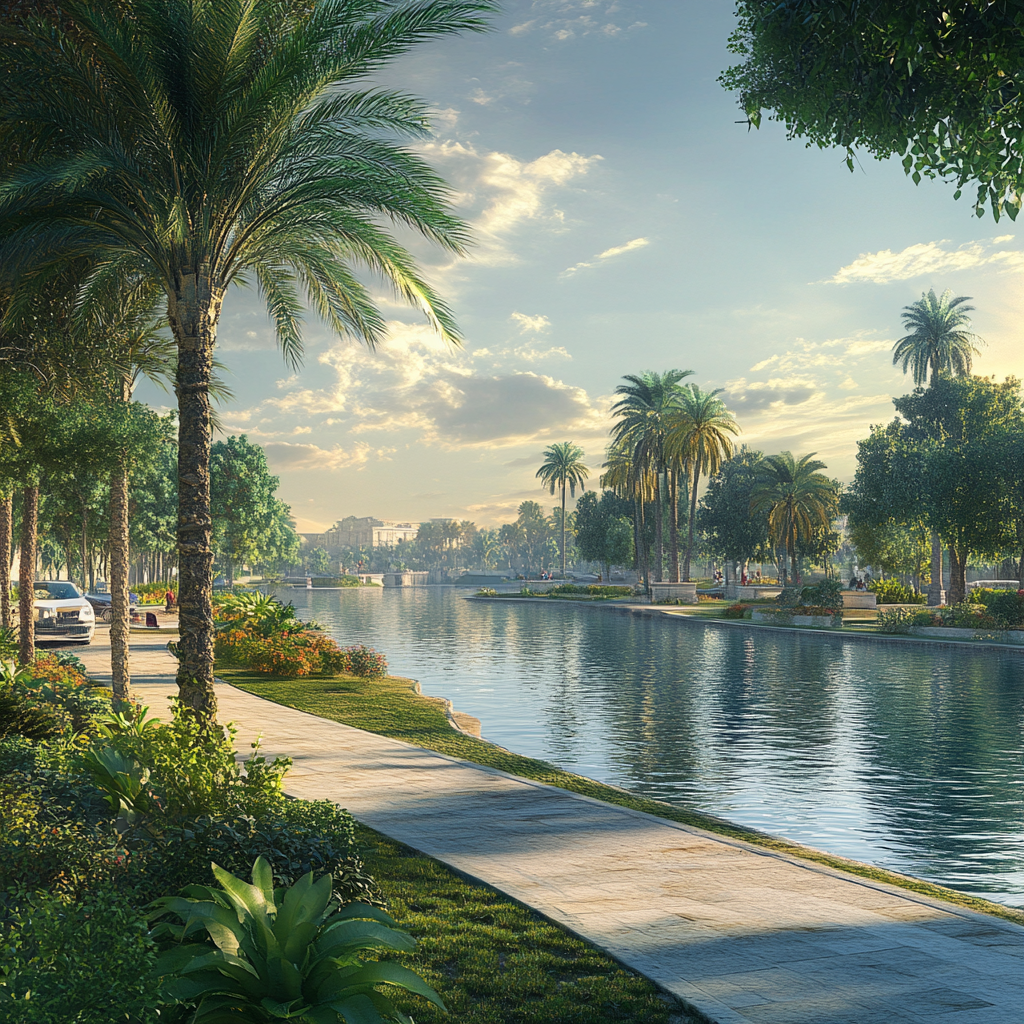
pixel 906 757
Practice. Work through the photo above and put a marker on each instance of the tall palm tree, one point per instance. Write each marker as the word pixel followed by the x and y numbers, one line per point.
pixel 798 498
pixel 940 338
pixel 940 341
pixel 644 412
pixel 563 467
pixel 698 440
pixel 205 143
pixel 635 484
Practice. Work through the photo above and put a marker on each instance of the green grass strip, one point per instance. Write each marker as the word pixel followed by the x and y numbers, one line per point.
pixel 495 961
pixel 392 707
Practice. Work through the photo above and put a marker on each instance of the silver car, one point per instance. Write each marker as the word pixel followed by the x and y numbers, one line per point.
pixel 62 612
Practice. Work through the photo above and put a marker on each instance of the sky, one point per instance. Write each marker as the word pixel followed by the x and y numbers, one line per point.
pixel 624 221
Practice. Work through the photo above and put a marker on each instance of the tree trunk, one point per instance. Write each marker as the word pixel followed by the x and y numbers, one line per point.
pixel 936 595
pixel 659 531
pixel 639 542
pixel 693 516
pixel 673 526
pixel 563 529
pixel 957 576
pixel 193 310
pixel 27 576
pixel 118 581
pixel 6 527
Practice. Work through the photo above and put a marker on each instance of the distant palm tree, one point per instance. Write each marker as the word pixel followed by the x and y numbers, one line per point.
pixel 644 412
pixel 798 498
pixel 206 143
pixel 697 440
pixel 563 467
pixel 636 484
pixel 940 338
pixel 940 341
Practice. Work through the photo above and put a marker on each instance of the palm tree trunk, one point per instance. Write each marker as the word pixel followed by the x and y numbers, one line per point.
pixel 193 311
pixel 563 529
pixel 690 525
pixel 27 575
pixel 935 592
pixel 639 542
pixel 673 526
pixel 118 580
pixel 6 528
pixel 659 538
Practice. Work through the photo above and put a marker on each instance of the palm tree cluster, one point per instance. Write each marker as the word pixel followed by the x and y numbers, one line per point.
pixel 666 434
pixel 178 147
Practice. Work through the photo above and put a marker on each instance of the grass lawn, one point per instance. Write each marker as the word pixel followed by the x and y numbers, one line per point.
pixel 391 707
pixel 495 961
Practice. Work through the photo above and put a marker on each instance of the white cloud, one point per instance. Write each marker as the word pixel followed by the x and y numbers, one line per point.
pixel 615 250
pixel 501 193
pixel 929 258
pixel 284 456
pixel 415 384
pixel 531 324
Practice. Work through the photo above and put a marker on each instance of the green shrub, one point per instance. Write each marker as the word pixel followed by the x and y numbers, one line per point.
pixel 896 621
pixel 926 619
pixel 826 594
pixel 966 615
pixel 892 591
pixel 734 611
pixel 193 771
pixel 790 597
pixel 365 662
pixel 86 963
pixel 305 837
pixel 292 654
pixel 303 954
pixel 1007 606
pixel 486 592
pixel 8 644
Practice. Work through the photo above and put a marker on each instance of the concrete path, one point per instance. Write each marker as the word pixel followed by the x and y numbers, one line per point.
pixel 742 934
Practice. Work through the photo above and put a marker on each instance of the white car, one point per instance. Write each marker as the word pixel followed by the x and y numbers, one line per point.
pixel 62 612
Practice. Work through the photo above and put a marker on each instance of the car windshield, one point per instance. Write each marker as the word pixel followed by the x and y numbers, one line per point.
pixel 56 590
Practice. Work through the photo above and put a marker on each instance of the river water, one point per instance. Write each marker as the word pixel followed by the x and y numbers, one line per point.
pixel 908 757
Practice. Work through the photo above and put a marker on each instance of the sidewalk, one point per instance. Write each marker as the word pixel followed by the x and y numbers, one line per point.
pixel 741 933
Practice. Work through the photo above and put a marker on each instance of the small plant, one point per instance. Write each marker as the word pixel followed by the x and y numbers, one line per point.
pixel 789 598
pixel 826 594
pixel 487 592
pixel 271 954
pixel 923 618
pixel 366 662
pixel 8 644
pixel 896 621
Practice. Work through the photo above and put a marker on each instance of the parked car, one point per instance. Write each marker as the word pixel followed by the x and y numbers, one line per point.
pixel 101 604
pixel 62 612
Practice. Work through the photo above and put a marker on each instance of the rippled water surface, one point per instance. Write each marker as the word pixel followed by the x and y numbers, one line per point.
pixel 907 757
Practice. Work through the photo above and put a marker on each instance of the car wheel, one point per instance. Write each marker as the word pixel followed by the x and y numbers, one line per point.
pixel 108 615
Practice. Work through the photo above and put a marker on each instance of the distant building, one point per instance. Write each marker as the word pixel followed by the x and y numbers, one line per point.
pixel 365 532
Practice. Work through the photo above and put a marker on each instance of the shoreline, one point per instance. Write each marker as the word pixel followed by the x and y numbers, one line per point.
pixel 669 612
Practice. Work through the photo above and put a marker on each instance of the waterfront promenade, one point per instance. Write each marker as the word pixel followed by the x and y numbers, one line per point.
pixel 740 933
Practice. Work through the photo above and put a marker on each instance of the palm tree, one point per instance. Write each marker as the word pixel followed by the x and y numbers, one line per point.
pixel 940 339
pixel 798 498
pixel 205 143
pixel 563 467
pixel 644 414
pixel 697 440
pixel 636 484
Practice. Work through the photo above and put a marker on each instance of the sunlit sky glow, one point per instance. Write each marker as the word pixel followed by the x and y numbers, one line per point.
pixel 624 222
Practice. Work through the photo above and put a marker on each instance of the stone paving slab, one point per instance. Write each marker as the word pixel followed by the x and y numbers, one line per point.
pixel 745 935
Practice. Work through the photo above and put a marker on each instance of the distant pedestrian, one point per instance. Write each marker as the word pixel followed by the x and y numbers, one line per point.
pixel 169 600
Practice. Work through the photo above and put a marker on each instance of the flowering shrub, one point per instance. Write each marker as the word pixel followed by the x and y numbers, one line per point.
pixel 365 661
pixel 297 653
pixel 734 611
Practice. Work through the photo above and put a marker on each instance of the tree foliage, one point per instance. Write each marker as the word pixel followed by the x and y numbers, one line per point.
pixel 935 83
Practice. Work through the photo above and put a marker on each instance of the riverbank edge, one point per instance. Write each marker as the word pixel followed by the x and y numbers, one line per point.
pixel 497 758
pixel 669 612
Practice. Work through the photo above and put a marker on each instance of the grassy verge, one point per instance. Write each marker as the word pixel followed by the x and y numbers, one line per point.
pixel 494 961
pixel 391 707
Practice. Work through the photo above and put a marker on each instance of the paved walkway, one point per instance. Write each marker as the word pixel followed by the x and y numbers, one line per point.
pixel 743 934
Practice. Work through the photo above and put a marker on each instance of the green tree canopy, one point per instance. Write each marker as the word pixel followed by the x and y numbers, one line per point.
pixel 936 82
pixel 731 530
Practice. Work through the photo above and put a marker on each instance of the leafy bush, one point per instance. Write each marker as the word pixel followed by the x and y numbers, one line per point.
pixel 1007 606
pixel 20 713
pixel 895 621
pixel 734 611
pixel 61 684
pixel 193 771
pixel 789 598
pixel 285 953
pixel 305 837
pixel 826 594
pixel 290 654
pixel 926 619
pixel 966 615
pixel 486 592
pixel 590 590
pixel 892 591
pixel 8 644
pixel 86 963
pixel 366 662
